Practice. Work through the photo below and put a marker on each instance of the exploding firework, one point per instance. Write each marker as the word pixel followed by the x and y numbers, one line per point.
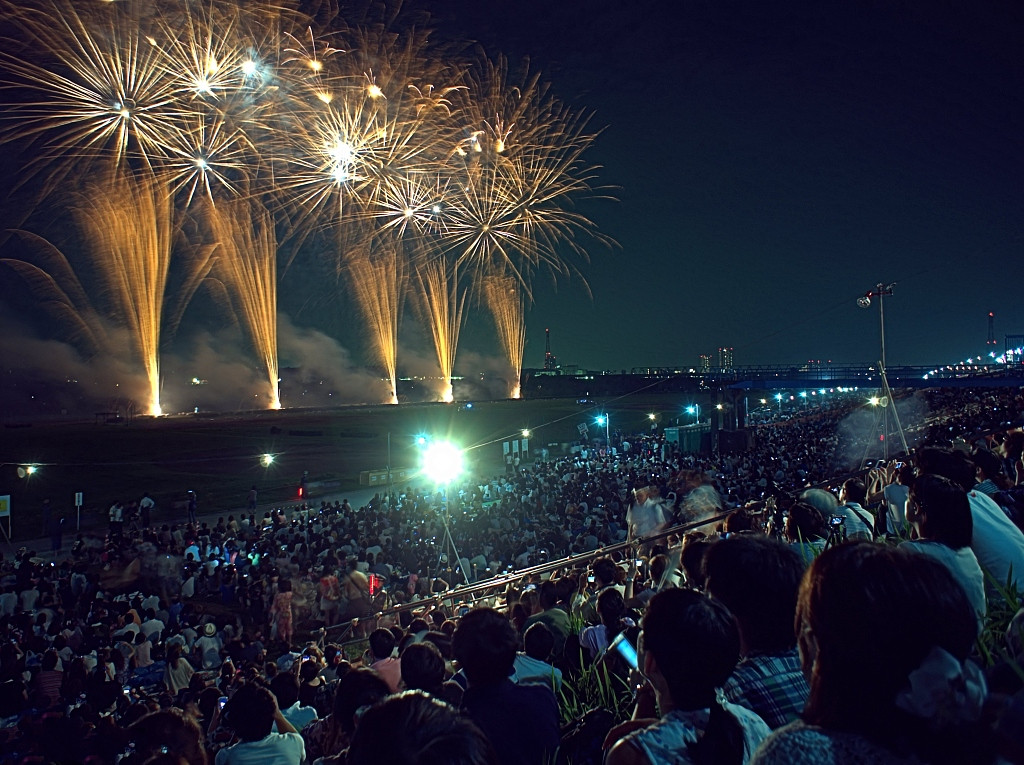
pixel 426 175
pixel 504 298
pixel 246 264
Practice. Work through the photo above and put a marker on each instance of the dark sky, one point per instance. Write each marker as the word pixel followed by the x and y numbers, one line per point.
pixel 773 162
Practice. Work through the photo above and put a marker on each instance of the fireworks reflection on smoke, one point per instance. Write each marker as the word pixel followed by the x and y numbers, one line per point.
pixel 246 265
pixel 505 300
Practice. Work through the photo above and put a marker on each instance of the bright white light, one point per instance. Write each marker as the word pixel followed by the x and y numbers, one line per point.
pixel 31 469
pixel 267 460
pixel 600 420
pixel 442 462
pixel 248 68
pixel 652 416
pixel 526 432
pixel 873 401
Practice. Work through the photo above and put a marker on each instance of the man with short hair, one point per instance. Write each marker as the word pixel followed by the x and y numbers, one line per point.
pixel 757 578
pixel 858 520
pixel 485 645
pixel 252 712
pixel 382 646
pixel 552 617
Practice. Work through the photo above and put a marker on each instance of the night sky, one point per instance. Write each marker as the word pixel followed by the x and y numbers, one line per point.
pixel 773 161
pixel 770 162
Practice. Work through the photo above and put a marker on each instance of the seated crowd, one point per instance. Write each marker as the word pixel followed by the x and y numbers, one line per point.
pixel 808 626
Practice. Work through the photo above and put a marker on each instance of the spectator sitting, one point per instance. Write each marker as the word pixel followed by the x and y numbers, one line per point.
pixel 359 688
pixel 806 530
pixel 168 730
pixel 940 513
pixel 997 543
pixel 688 648
pixel 757 578
pixel 612 610
pixel 858 520
pixel 253 712
pixel 532 665
pixel 884 637
pixel 551 616
pixel 605 577
pixel 423 669
pixel 285 688
pixel 415 729
pixel 382 646
pixel 485 645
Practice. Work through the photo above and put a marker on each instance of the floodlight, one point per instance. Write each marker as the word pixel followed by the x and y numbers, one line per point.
pixel 267 460
pixel 600 419
pixel 525 432
pixel 442 462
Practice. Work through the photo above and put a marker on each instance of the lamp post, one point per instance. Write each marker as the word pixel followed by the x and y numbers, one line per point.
pixel 443 462
pixel 880 291
pixel 694 409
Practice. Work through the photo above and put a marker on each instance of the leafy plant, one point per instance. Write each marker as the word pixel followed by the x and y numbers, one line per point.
pixel 1004 601
pixel 594 687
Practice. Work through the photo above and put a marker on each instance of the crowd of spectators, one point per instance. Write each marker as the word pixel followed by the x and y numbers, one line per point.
pixel 842 623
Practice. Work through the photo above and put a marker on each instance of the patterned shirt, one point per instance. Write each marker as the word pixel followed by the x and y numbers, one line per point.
pixel 773 685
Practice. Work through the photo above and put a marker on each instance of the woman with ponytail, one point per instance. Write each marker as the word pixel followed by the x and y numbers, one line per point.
pixel 687 649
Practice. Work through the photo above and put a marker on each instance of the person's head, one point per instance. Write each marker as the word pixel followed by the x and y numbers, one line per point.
pixel 805 523
pixel 411 728
pixel 690 644
pixel 285 687
pixel 604 572
pixel 867 616
pixel 940 511
pixel 691 560
pixel 548 595
pixel 539 642
pixel 423 667
pixel 284 585
pixel 169 728
pixel 382 643
pixel 952 464
pixel 854 490
pixel 823 501
pixel 757 578
pixel 987 464
pixel 251 712
pixel 485 645
pixel 358 688
pixel 611 607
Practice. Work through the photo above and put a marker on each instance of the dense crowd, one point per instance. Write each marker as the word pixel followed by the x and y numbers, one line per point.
pixel 833 616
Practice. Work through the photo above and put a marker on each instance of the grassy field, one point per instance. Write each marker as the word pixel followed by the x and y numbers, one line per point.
pixel 218 456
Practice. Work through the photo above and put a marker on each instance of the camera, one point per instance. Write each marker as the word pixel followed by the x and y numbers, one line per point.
pixel 836 520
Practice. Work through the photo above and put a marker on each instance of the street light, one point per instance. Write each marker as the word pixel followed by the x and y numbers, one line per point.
pixel 443 463
pixel 604 419
pixel 694 409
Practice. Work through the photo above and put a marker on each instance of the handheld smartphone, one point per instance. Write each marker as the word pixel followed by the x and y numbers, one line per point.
pixel 625 649
pixel 590 579
pixel 222 701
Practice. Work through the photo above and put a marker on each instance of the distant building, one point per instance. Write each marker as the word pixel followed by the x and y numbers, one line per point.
pixel 705 362
pixel 550 360
pixel 725 358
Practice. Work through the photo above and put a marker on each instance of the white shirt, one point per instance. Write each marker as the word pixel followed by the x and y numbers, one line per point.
pixel 896 501
pixel 997 542
pixel 961 563
pixel 855 527
pixel 275 749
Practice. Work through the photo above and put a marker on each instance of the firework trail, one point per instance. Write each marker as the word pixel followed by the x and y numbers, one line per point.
pixel 504 298
pixel 246 265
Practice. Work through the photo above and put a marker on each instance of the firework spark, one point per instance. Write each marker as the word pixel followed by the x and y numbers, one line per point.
pixel 246 263
pixel 504 298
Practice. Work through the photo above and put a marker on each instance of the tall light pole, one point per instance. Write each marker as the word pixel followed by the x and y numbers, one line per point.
pixel 694 409
pixel 880 291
